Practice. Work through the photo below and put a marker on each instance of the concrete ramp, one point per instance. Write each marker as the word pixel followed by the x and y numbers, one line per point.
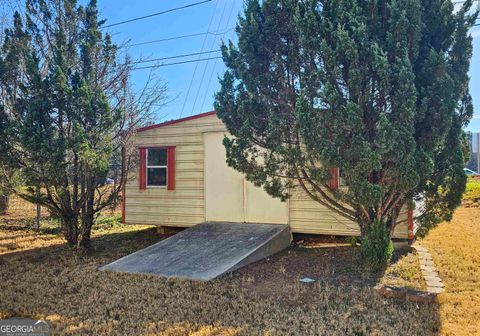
pixel 206 251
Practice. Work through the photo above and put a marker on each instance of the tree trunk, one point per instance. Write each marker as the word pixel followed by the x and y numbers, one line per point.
pixel 88 215
pixel 70 229
pixel 4 200
pixel 85 237
pixel 38 217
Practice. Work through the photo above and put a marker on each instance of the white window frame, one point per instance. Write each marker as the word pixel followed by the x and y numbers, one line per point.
pixel 147 166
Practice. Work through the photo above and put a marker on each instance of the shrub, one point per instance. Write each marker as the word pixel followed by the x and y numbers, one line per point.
pixel 472 191
pixel 376 246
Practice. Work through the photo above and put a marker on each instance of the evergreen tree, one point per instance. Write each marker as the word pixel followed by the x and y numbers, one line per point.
pixel 64 113
pixel 378 89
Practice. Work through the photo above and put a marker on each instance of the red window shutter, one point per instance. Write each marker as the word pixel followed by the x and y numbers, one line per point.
pixel 171 168
pixel 142 176
pixel 411 234
pixel 334 182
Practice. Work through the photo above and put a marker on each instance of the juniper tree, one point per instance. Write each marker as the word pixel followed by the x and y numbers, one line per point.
pixel 67 111
pixel 378 89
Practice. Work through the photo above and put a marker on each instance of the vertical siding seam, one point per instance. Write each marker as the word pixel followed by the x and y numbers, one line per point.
pixel 244 199
pixel 204 179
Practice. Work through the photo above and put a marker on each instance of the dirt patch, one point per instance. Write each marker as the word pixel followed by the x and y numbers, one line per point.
pixel 280 274
pixel 329 264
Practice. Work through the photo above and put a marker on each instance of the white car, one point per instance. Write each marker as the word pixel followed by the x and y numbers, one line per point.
pixel 470 172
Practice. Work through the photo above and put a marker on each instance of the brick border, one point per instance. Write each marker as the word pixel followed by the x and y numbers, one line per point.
pixel 434 284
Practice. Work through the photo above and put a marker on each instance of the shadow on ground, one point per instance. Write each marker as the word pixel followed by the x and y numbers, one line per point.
pixel 264 298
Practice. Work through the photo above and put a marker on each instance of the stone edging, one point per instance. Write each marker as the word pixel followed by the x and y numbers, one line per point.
pixel 434 283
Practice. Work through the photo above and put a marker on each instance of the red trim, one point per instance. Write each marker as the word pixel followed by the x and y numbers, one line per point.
pixel 155 147
pixel 176 121
pixel 171 168
pixel 411 234
pixel 334 182
pixel 143 169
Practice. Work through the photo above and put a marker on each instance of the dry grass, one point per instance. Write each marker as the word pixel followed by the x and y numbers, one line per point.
pixel 455 250
pixel 19 208
pixel 42 278
pixel 404 271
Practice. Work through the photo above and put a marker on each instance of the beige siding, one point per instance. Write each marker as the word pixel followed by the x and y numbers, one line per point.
pixel 184 206
pixel 401 231
pixel 308 216
pixel 230 197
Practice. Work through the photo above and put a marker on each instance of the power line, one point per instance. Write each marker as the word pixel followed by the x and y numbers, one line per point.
pixel 158 13
pixel 206 65
pixel 175 63
pixel 180 37
pixel 196 64
pixel 176 56
pixel 215 63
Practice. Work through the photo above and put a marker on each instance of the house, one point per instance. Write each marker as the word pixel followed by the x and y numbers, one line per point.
pixel 183 180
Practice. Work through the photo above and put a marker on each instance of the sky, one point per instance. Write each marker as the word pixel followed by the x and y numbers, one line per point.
pixel 191 86
pixel 474 125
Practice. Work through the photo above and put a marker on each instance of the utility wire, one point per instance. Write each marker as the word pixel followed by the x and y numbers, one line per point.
pixel 196 64
pixel 172 57
pixel 215 63
pixel 179 37
pixel 220 21
pixel 156 14
pixel 175 63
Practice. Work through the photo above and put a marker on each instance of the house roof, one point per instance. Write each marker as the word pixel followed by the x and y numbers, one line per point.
pixel 176 121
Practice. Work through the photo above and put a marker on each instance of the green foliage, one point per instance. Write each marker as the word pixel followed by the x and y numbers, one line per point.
pixel 376 246
pixel 57 126
pixel 50 225
pixel 376 88
pixel 108 222
pixel 472 191
pixel 353 241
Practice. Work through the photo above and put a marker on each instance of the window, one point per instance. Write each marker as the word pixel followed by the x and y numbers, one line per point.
pixel 156 167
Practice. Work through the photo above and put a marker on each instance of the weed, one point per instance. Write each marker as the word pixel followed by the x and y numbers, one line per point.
pixel 352 240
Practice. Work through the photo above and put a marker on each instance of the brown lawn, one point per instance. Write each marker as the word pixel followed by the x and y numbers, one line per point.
pixel 455 249
pixel 41 278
